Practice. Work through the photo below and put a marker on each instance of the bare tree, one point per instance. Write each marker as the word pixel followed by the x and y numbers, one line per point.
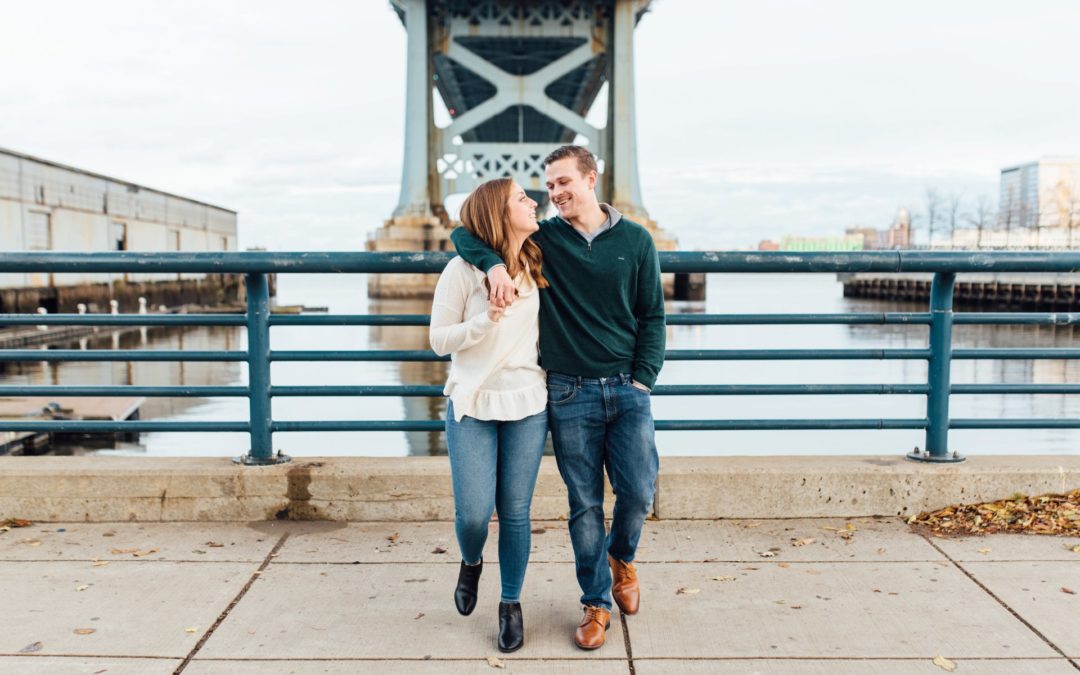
pixel 1008 214
pixel 980 217
pixel 933 212
pixel 1067 203
pixel 952 207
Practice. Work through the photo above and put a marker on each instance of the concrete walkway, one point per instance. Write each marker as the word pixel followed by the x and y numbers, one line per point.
pixel 763 596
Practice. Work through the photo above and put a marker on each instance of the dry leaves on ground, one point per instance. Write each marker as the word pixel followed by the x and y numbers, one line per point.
pixel 687 591
pixel 85 631
pixel 495 662
pixel 1068 590
pixel 31 648
pixel 1055 514
pixel 9 523
pixel 802 542
pixel 438 550
pixel 944 663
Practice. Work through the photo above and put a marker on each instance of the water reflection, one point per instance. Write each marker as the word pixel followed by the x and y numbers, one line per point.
pixel 414 372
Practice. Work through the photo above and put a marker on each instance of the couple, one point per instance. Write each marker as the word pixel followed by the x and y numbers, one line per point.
pixel 585 286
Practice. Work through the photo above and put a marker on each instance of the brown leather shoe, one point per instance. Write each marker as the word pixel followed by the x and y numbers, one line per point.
pixel 593 627
pixel 624 586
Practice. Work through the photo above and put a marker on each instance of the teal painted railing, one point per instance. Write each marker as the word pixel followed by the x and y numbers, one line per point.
pixel 260 391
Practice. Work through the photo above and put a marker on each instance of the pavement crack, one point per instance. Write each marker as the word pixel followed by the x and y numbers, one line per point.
pixel 1001 602
pixel 626 643
pixel 235 601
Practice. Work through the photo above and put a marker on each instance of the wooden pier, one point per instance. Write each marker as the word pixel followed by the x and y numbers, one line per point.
pixel 27 408
pixel 1003 292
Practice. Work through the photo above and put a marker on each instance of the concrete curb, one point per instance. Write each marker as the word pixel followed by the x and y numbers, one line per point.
pixel 107 489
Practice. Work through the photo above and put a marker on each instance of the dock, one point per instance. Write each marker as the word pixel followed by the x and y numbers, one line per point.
pixel 28 408
pixel 1002 292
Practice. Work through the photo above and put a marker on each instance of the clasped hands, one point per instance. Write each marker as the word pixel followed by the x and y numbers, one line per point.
pixel 502 293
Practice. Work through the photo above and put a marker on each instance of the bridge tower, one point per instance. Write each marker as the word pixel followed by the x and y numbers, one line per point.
pixel 518 78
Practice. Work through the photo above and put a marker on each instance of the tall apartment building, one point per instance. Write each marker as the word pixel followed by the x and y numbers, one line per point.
pixel 1041 194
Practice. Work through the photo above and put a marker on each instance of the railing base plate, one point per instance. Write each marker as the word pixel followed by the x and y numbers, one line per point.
pixel 250 460
pixel 921 456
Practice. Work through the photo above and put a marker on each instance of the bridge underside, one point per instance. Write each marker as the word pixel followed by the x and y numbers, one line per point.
pixel 518 79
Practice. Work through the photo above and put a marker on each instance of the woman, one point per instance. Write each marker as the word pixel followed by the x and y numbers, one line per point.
pixel 496 419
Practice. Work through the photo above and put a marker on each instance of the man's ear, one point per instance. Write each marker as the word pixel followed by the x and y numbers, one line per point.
pixel 592 180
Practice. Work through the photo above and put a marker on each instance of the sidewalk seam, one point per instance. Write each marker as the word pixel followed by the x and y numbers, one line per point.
pixel 626 643
pixel 1001 602
pixel 235 601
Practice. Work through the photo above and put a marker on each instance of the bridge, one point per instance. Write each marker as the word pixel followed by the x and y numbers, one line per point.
pixel 518 80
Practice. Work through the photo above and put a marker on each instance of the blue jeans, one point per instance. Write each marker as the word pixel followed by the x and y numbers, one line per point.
pixel 493 465
pixel 598 424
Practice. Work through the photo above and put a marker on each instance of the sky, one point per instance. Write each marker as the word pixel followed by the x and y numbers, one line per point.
pixel 755 120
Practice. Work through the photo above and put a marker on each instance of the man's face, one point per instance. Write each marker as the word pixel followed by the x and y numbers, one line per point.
pixel 569 190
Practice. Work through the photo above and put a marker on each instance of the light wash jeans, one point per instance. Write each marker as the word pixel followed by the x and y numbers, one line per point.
pixel 597 424
pixel 494 465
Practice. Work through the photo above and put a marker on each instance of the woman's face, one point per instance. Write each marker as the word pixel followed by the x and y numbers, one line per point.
pixel 522 213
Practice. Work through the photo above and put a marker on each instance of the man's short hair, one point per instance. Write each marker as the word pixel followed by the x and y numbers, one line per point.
pixel 585 160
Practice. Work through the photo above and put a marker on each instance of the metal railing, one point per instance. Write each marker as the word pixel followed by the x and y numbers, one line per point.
pixel 260 391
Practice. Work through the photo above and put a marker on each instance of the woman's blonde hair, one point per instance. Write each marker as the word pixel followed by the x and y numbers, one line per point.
pixel 486 214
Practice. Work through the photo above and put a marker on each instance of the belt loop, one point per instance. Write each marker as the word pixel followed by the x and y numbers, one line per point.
pixel 578 378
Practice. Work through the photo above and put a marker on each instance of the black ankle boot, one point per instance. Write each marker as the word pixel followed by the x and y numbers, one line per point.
pixel 467 581
pixel 511 628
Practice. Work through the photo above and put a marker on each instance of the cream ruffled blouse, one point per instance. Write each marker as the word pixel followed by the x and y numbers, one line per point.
pixel 495 372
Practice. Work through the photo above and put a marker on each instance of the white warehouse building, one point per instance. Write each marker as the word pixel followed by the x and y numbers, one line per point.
pixel 45 206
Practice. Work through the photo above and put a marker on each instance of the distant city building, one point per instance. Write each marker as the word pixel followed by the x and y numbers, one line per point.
pixel 1040 194
pixel 844 243
pixel 45 206
pixel 898 235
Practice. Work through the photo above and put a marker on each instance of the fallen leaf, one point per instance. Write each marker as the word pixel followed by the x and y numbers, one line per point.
pixel 796 606
pixel 418 616
pixel 1074 548
pixel 82 588
pixel 438 549
pixel 123 551
pixel 767 554
pixel 31 648
pixel 100 563
pixel 750 525
pixel 830 529
pixel 850 527
pixel 778 602
pixel 32 542
pixel 687 591
pixel 538 530
pixel 783 565
pixel 393 538
pixel 193 629
pixel 17 522
pixel 198 551
pixel 214 544
pixel 944 663
pixel 722 578
pixel 139 554
pixel 494 662
pixel 1068 590
pixel 85 631
pixel 984 551
pixel 803 542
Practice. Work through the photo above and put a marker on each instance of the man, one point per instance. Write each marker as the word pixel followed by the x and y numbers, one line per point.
pixel 602 343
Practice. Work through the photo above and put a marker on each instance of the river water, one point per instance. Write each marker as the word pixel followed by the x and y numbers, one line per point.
pixel 726 293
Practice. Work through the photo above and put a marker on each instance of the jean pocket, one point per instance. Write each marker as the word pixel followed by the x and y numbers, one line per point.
pixel 561 393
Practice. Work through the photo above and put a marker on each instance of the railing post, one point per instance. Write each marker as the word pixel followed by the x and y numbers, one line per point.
pixel 937 401
pixel 258 348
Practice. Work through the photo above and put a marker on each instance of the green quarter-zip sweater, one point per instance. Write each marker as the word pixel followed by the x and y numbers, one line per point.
pixel 603 312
